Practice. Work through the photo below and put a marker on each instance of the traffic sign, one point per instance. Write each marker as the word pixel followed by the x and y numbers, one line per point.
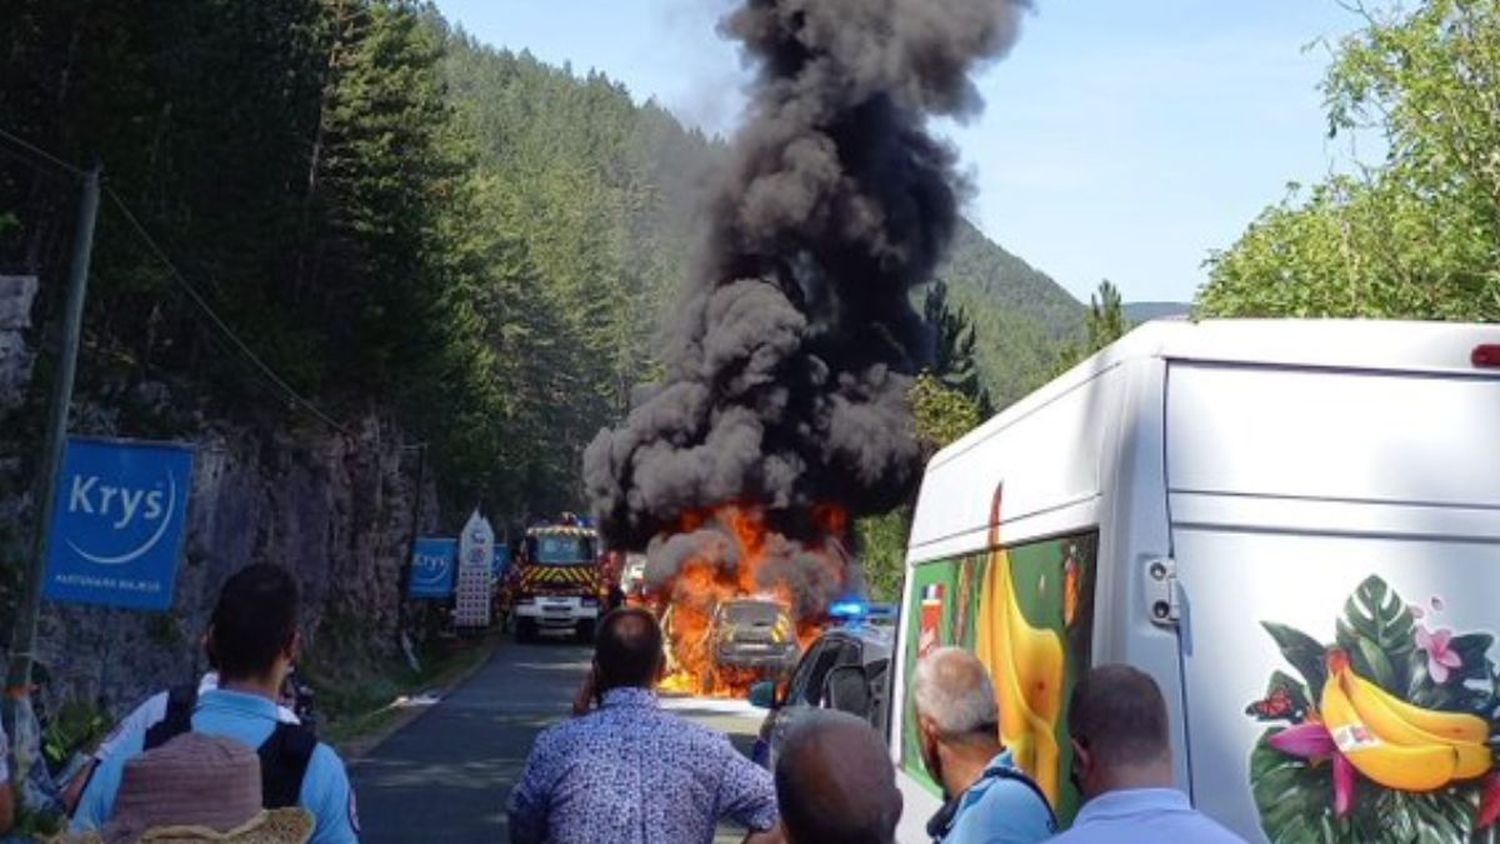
pixel 433 565
pixel 119 523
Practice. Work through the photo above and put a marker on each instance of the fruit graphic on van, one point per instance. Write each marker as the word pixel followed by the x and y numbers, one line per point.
pixel 1028 665
pixel 1386 734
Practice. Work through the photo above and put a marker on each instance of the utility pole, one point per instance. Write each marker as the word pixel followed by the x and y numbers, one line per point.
pixel 16 705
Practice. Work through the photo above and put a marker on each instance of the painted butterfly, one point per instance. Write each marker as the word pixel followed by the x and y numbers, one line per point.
pixel 1279 705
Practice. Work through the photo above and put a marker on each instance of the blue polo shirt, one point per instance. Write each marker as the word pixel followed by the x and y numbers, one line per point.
pixel 248 719
pixel 997 810
pixel 1142 815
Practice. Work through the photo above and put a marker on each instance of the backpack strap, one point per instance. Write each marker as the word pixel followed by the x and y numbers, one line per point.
pixel 181 701
pixel 1005 772
pixel 284 758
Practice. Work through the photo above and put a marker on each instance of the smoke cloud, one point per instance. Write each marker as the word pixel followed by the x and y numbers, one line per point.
pixel 788 369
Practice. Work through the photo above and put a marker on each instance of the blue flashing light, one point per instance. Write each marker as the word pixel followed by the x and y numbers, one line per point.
pixel 848 610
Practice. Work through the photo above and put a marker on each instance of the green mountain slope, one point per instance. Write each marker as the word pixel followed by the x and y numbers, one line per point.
pixel 599 166
pixel 1139 312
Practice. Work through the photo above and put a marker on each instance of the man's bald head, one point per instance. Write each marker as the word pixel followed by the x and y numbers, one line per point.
pixel 628 649
pixel 835 783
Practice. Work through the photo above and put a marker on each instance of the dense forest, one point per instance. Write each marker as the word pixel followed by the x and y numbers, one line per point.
pixel 389 215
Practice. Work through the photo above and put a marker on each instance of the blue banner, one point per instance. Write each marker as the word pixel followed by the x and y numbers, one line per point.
pixel 433 567
pixel 120 523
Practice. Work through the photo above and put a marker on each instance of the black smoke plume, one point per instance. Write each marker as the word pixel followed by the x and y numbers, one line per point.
pixel 788 369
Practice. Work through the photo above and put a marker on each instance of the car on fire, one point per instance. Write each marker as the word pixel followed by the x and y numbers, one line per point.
pixel 847 669
pixel 753 633
pixel 633 577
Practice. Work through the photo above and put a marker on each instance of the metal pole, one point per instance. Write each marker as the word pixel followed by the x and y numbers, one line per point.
pixel 17 701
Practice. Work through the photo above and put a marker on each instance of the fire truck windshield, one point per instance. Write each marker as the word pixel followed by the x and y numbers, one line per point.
pixel 561 549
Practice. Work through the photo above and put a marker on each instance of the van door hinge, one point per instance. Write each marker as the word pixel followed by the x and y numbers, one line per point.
pixel 1163 600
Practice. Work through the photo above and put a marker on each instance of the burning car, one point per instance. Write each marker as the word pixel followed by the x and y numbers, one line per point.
pixel 633 577
pixel 753 633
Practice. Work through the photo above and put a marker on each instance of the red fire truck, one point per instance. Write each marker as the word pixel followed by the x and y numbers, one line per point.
pixel 558 581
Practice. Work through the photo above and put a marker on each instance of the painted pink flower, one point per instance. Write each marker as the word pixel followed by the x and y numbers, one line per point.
pixel 1308 740
pixel 1441 658
pixel 1343 785
pixel 1489 803
pixel 1311 740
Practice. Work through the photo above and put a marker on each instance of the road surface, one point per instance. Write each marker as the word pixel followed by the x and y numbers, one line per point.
pixel 446 775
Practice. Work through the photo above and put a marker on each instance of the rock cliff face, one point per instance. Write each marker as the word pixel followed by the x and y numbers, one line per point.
pixel 335 508
pixel 17 293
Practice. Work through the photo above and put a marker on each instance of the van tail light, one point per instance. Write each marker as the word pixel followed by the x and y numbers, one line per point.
pixel 1486 356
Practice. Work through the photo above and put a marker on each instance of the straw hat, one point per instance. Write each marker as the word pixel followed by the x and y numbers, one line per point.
pixel 198 788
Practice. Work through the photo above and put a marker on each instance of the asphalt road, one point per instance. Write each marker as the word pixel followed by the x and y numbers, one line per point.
pixel 446 775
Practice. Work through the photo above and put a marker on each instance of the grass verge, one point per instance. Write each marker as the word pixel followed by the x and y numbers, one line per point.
pixel 360 721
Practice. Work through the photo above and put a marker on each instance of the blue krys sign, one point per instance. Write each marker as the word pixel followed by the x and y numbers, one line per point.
pixel 119 524
pixel 433 566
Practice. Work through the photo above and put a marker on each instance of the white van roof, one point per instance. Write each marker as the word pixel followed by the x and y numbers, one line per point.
pixel 1376 345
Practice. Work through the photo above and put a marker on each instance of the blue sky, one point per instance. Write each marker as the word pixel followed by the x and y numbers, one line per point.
pixel 1121 140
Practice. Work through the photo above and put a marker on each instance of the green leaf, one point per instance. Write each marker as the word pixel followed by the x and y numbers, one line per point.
pixel 1295 800
pixel 1470 688
pixel 1377 632
pixel 1303 652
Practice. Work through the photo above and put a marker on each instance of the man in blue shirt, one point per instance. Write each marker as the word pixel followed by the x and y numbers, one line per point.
pixel 1122 763
pixel 626 772
pixel 254 639
pixel 989 800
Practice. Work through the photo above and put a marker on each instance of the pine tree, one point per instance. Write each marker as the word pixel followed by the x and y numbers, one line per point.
pixel 954 361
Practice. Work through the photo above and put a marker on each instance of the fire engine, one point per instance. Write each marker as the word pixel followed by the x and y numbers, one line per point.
pixel 558 582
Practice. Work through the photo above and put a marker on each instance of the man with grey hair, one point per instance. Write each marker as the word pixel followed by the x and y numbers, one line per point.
pixel 988 798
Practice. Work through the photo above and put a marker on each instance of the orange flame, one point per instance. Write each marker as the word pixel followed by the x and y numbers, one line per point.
pixel 686 604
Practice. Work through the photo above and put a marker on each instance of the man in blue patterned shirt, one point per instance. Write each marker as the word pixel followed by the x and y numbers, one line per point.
pixel 627 771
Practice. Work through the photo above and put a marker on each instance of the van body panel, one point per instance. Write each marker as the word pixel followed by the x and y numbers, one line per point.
pixel 1326 434
pixel 1039 480
pixel 1238 680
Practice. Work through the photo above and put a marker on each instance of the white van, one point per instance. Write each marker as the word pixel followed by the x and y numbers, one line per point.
pixel 1294 526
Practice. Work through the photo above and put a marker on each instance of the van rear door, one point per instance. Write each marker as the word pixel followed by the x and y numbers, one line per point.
pixel 1336 539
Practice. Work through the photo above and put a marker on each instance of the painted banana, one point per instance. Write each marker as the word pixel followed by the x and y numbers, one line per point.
pixel 1456 727
pixel 1379 710
pixel 1028 668
pixel 1413 769
pixel 1396 744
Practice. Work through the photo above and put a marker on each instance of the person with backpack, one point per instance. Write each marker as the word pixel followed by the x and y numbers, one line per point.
pixel 988 799
pixel 253 640
pixel 150 712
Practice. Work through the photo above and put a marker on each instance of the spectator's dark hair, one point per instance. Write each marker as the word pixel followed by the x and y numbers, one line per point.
pixel 835 783
pixel 254 621
pixel 1118 714
pixel 628 649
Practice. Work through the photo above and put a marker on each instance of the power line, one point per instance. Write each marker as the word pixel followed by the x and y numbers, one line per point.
pixel 33 165
pixel 38 151
pixel 197 298
pixel 192 292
